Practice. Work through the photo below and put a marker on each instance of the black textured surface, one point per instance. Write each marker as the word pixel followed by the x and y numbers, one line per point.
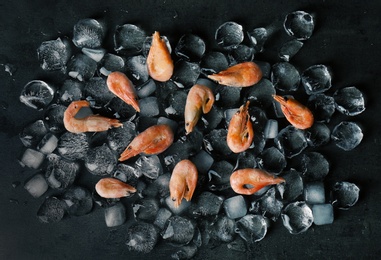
pixel 346 37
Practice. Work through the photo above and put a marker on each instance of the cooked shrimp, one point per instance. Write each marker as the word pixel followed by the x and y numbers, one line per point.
pixel 183 181
pixel 199 98
pixel 243 74
pixel 297 114
pixel 122 87
pixel 159 61
pixel 153 140
pixel 240 130
pixel 111 188
pixel 249 181
pixel 92 123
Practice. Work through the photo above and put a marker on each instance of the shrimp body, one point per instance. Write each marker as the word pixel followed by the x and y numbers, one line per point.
pixel 92 123
pixel 111 188
pixel 153 140
pixel 240 130
pixel 248 181
pixel 122 87
pixel 159 61
pixel 200 99
pixel 183 181
pixel 243 74
pixel 297 114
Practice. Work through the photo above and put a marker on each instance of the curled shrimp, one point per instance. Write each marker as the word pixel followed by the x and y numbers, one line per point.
pixel 240 130
pixel 92 123
pixel 199 98
pixel 111 188
pixel 153 140
pixel 249 181
pixel 159 61
pixel 297 114
pixel 122 87
pixel 183 181
pixel 243 74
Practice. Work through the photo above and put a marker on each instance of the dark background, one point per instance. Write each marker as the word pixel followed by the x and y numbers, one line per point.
pixel 346 37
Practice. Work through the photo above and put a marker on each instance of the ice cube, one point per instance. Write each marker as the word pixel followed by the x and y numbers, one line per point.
pixel 291 141
pixel 318 134
pixel 212 119
pixel 186 73
pixel 216 141
pixel 88 33
pixel 229 113
pixel 346 194
pixel 162 217
pixel 137 69
pixel 252 228
pixel 229 97
pixel 71 90
pixel 223 229
pixel 299 24
pixel 261 94
pixel 323 106
pixel 241 53
pixel 271 129
pixel 119 138
pixel 285 76
pixel 272 160
pixel 32 158
pixel 185 252
pixel 166 121
pixel 78 200
pixel 184 205
pixel 51 210
pixel 54 118
pixel 219 175
pixel 148 42
pixel 81 67
pixel 213 62
pixel 179 230
pixel 190 47
pixel 176 104
pixel 149 107
pixel 120 109
pixel 293 185
pixel 314 193
pixel 150 166
pixel 146 209
pixel 235 207
pixel 347 135
pixel 207 204
pixel 96 89
pixel 96 54
pixel 323 214
pixel 146 89
pixel 268 205
pixel 245 160
pixel 129 39
pixel 316 79
pixel 37 94
pixel 115 215
pixel 349 101
pixel 229 35
pixel 127 173
pixel 289 49
pixel 141 237
pixel 36 185
pixel 203 161
pixel 297 217
pixel 111 63
pixel 100 160
pixel 314 166
pixel 238 244
pixel 54 54
pixel 33 133
pixel 73 146
pixel 258 38
pixel 60 173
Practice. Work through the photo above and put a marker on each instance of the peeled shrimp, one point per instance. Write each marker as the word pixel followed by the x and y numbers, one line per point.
pixel 92 123
pixel 183 181
pixel 297 114
pixel 243 74
pixel 199 98
pixel 122 87
pixel 249 181
pixel 159 61
pixel 153 140
pixel 111 188
pixel 240 130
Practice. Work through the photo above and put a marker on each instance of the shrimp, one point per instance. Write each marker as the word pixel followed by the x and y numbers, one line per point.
pixel 199 98
pixel 183 181
pixel 111 188
pixel 122 87
pixel 92 123
pixel 296 113
pixel 153 140
pixel 159 61
pixel 240 130
pixel 243 74
pixel 249 181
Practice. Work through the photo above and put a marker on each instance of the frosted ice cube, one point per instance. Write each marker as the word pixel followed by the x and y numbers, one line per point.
pixel 177 210
pixel 229 35
pixel 54 54
pixel 96 54
pixel 150 166
pixel 37 94
pixel 148 41
pixel 349 101
pixel 141 237
pixel 219 175
pixel 347 135
pixel 162 217
pixel 111 63
pixel 314 193
pixel 185 252
pixel 32 158
pixel 146 209
pixel 33 133
pixel 81 67
pixel 229 113
pixel 293 185
pixel 207 204
pixel 252 228
pixel 88 33
pixel 229 97
pixel 241 53
pixel 79 200
pixel 323 106
pixel 285 76
pixel 71 90
pixel 297 217
pixel 137 69
pixel 245 160
pixel 318 134
pixel 179 230
pixel 100 160
pixel 271 129
pixel 166 121
pixel 73 146
pixel 235 207
pixel 314 166
pixel 36 185
pixel 190 47
pixel 346 194
pixel 115 215
pixel 149 107
pixel 299 24
pixel 316 79
pixel 268 205
pixel 60 173
pixel 224 229
pixel 323 214
pixel 96 89
pixel 272 160
pixel 51 210
pixel 261 94
pixel 129 39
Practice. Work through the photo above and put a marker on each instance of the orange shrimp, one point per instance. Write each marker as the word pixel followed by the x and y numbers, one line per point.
pixel 111 188
pixel 199 98
pixel 153 140
pixel 183 181
pixel 122 87
pixel 92 123
pixel 159 61
pixel 249 181
pixel 243 74
pixel 297 114
pixel 240 130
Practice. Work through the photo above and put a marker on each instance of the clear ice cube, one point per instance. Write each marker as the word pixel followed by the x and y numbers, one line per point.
pixel 51 210
pixel 60 173
pixel 323 214
pixel 290 49
pixel 36 185
pixel 37 94
pixel 323 107
pixel 224 229
pixel 71 90
pixel 349 101
pixel 216 141
pixel 314 193
pixel 33 133
pixel 162 217
pixel 96 54
pixel 347 135
pixel 219 175
pixel 100 160
pixel 54 54
pixel 150 166
pixel 79 200
pixel 177 210
pixel 261 94
pixel 213 62
pixel 137 69
pixel 179 230
pixel 316 79
pixel 203 161
pixel 318 134
pixel 148 41
pixel 272 160
pixel 176 101
pixel 235 207
pixel 73 146
pixel 293 186
pixel 129 39
pixel 297 217
pixel 141 237
pixel 190 47
pixel 345 194
pixel 271 129
pixel 245 160
pixel 229 35
pixel 258 38
pixel 229 97
pixel 285 76
pixel 111 63
pixel 81 67
pixel 54 118
pixel 146 209
pixel 241 53
pixel 291 141
pixel 299 24
pixel 251 228
pixel 88 33
pixel 48 144
pixel 186 73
